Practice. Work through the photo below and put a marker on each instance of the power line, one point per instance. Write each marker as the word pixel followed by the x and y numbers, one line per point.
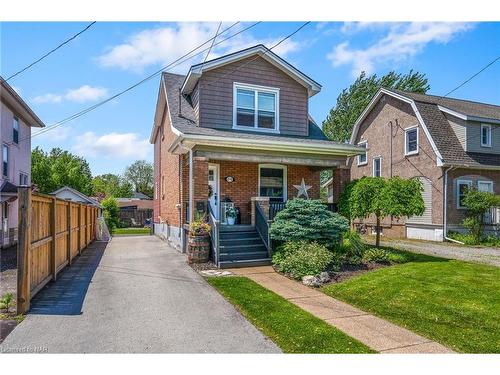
pixel 473 76
pixel 51 51
pixel 213 40
pixel 178 61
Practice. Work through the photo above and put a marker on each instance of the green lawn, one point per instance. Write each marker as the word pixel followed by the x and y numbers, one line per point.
pixel 452 302
pixel 131 231
pixel 291 328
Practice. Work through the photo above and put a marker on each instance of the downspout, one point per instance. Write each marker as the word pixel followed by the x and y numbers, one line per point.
pixel 445 208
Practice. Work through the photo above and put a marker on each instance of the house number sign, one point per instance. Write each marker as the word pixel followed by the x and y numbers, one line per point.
pixel 229 178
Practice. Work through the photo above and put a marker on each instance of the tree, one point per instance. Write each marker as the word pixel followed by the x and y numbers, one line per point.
pixel 140 175
pixel 111 185
pixel 111 213
pixel 352 101
pixel 308 220
pixel 478 203
pixel 377 196
pixel 58 168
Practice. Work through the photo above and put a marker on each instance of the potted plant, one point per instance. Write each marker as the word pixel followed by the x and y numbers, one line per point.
pixel 231 214
pixel 198 242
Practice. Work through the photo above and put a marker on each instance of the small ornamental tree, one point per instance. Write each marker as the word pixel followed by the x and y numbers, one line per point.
pixel 344 199
pixel 478 203
pixel 308 220
pixel 111 213
pixel 380 197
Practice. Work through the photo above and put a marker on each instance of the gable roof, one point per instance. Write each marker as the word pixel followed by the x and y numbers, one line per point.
pixel 197 70
pixel 85 198
pixel 429 112
pixel 184 124
pixel 12 98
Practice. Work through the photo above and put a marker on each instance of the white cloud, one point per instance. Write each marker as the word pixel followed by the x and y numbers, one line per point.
pixel 162 45
pixel 402 41
pixel 57 135
pixel 82 94
pixel 112 145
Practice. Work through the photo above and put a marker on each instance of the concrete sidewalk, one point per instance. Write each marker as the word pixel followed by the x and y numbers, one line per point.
pixel 377 333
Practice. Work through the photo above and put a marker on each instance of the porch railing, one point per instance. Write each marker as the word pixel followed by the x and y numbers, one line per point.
pixel 262 226
pixel 493 217
pixel 214 235
pixel 275 207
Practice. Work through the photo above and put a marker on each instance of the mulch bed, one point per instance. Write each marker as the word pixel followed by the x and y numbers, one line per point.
pixel 8 279
pixel 203 266
pixel 348 271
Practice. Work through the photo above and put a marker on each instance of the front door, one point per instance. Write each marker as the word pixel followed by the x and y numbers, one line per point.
pixel 213 183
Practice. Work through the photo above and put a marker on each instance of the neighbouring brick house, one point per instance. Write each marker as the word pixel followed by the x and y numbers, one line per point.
pixel 232 132
pixel 16 120
pixel 449 144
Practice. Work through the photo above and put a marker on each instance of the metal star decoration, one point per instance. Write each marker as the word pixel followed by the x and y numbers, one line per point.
pixel 302 189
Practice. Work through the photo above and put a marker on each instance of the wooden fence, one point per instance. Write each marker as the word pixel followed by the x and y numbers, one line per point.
pixel 51 233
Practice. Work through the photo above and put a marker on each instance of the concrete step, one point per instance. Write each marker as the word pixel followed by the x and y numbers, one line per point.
pixel 247 255
pixel 245 263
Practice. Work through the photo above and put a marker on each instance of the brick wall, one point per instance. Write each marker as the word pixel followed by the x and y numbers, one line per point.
pixel 376 130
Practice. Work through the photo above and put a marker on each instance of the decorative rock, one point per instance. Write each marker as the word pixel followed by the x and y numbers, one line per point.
pixel 324 277
pixel 311 281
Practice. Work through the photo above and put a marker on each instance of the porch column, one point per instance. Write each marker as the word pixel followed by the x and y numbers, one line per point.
pixel 341 177
pixel 199 187
pixel 264 203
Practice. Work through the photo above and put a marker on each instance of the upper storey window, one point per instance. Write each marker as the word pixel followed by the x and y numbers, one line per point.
pixel 256 108
pixel 485 135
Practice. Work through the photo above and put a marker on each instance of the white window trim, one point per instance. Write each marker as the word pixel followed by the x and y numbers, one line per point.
pixel 366 153
pixel 373 165
pixel 457 195
pixel 406 141
pixel 272 90
pixel 489 138
pixel 285 178
pixel 490 183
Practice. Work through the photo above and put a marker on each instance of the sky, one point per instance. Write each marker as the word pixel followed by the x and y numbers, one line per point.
pixel 112 56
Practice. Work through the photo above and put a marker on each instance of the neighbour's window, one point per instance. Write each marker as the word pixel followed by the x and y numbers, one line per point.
pixel 362 159
pixel 23 179
pixel 462 187
pixel 256 108
pixel 411 141
pixel 272 183
pixel 485 186
pixel 5 161
pixel 485 135
pixel 15 130
pixel 377 167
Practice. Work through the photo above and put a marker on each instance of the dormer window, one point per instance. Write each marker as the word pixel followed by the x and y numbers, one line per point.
pixel 256 108
pixel 485 135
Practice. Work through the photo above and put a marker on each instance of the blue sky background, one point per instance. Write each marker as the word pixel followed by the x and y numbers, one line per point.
pixel 111 56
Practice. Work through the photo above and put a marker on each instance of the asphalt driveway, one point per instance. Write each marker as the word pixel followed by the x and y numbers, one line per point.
pixel 134 295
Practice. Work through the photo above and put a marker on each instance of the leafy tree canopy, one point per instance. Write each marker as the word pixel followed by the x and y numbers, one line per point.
pixel 478 203
pixel 140 175
pixel 111 185
pixel 57 168
pixel 353 100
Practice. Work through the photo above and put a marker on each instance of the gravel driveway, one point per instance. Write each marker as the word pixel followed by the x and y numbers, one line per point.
pixel 486 255
pixel 135 295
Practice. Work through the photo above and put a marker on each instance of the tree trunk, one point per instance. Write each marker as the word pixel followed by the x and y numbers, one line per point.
pixel 377 230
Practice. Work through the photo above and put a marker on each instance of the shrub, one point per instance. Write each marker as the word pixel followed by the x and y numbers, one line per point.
pixel 308 220
pixel 6 301
pixel 478 203
pixel 111 211
pixel 302 258
pixel 397 258
pixel 354 246
pixel 376 256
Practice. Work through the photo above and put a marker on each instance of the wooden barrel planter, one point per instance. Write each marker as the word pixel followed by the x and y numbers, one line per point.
pixel 198 249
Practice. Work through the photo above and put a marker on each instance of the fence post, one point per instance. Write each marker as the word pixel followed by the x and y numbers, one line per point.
pixel 68 249
pixel 53 228
pixel 24 250
pixel 79 229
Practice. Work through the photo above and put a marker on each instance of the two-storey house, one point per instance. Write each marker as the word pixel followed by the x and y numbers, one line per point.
pixel 16 120
pixel 236 132
pixel 449 144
